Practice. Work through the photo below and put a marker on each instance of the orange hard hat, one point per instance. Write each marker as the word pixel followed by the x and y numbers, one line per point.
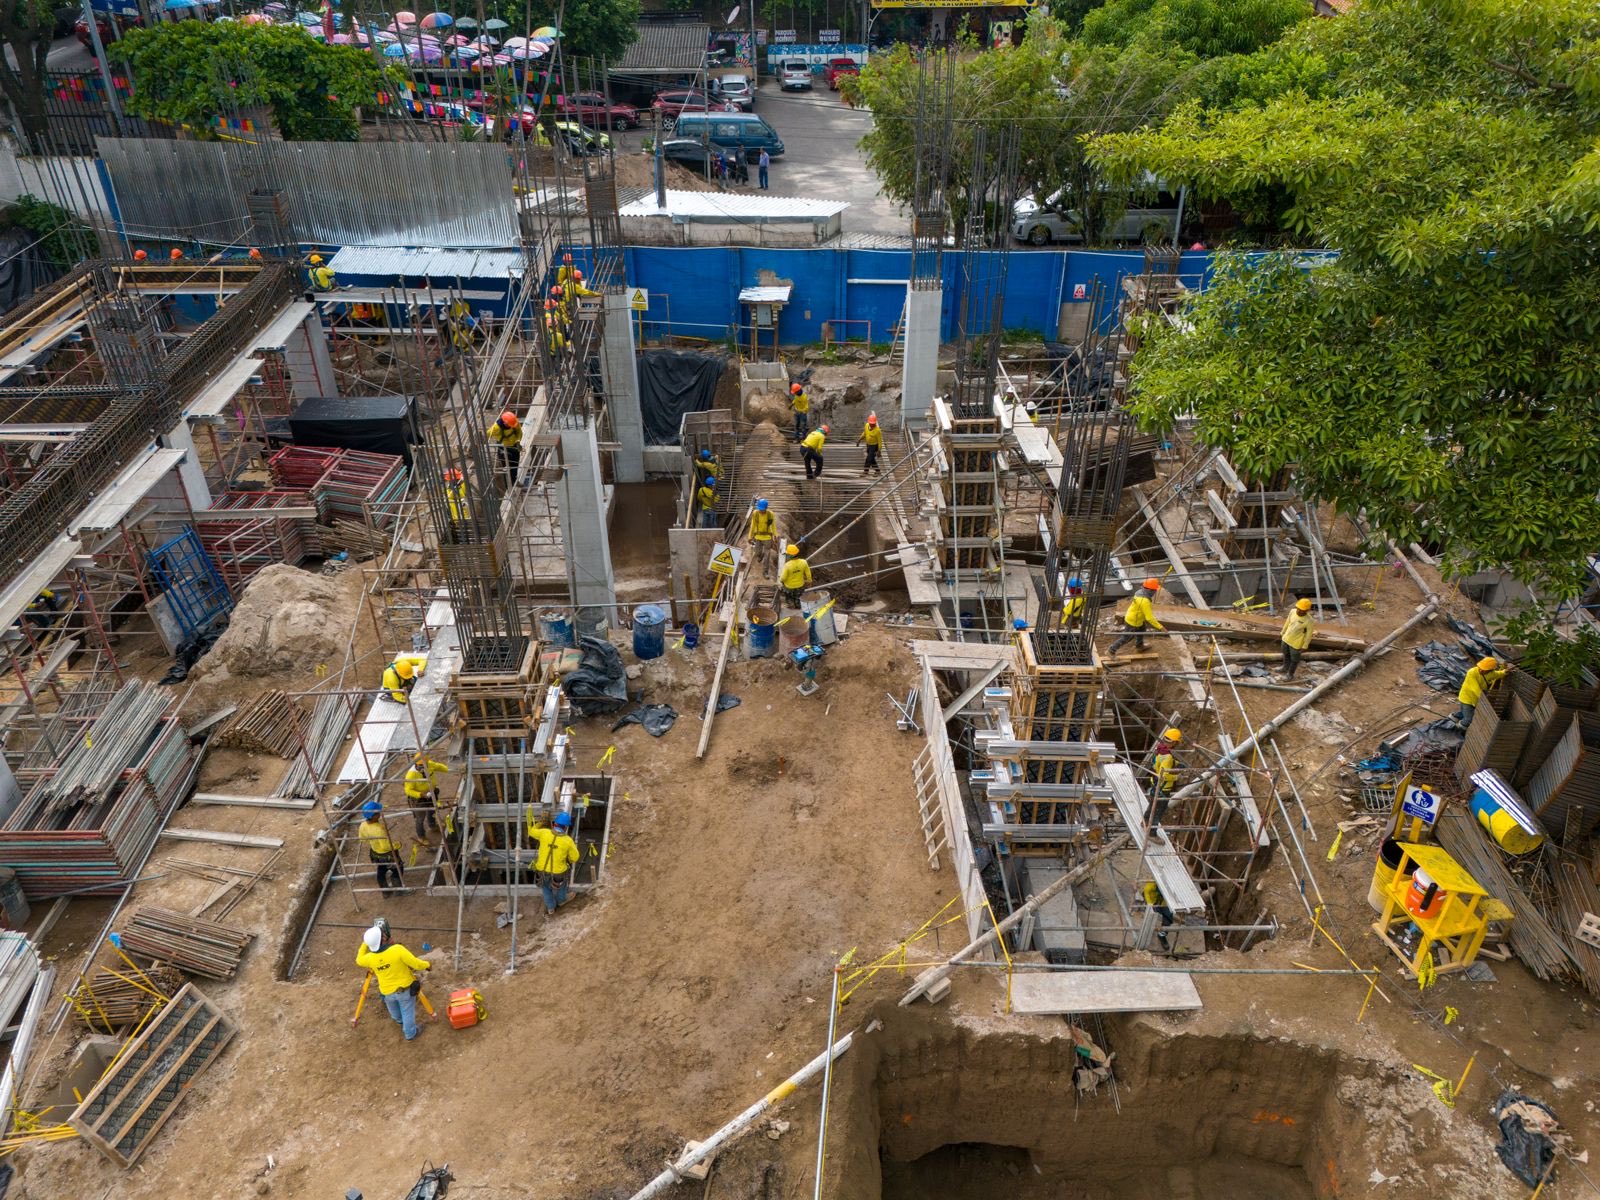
pixel 824 428
pixel 577 274
pixel 556 290
pixel 255 254
pixel 794 388
pixel 139 256
pixel 508 419
pixel 452 476
pixel 872 418
pixel 175 254
pixel 1152 584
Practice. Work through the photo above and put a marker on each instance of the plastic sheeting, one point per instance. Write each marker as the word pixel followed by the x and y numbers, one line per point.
pixel 600 684
pixel 375 424
pixel 1444 666
pixel 656 718
pixel 1525 1147
pixel 674 382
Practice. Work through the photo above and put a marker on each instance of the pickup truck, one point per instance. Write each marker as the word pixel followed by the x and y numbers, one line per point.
pixel 836 69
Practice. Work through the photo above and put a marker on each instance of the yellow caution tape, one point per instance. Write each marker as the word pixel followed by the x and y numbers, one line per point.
pixel 1426 972
pixel 1442 1087
pixel 1450 1015
pixel 611 752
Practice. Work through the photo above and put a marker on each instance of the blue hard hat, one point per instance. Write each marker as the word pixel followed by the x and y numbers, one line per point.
pixel 562 821
pixel 1074 582
pixel 761 506
pixel 371 808
pixel 705 454
pixel 1019 623
pixel 711 481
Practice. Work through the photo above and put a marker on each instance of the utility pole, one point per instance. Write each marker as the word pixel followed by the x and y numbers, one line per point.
pixel 105 71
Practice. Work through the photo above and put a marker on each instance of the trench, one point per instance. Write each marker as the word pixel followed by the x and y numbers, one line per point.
pixel 934 1108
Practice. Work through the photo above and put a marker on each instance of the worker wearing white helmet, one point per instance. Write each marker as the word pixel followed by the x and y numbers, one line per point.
pixel 397 971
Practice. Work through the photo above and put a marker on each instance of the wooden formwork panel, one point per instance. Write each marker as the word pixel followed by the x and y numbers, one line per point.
pixel 502 703
pixel 1056 703
pixel 126 1109
pixel 481 560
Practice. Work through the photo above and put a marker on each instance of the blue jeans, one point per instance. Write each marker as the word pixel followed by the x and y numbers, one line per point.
pixel 763 176
pixel 555 894
pixel 402 1006
pixel 708 518
pixel 801 422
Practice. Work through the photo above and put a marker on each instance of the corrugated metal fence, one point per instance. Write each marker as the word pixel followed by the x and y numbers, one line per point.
pixel 338 193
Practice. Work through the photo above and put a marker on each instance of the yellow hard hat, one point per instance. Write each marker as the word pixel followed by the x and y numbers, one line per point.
pixel 791 548
pixel 316 259
pixel 1488 664
pixel 1172 735
pixel 405 669
pixel 1303 605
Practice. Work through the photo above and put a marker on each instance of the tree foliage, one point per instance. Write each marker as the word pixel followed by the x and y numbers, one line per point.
pixel 594 29
pixel 187 72
pixel 62 237
pixel 1442 370
pixel 26 30
pixel 1204 28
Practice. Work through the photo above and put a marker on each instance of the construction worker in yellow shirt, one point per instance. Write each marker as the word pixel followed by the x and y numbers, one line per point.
pixel 374 834
pixel 1157 903
pixel 568 273
pixel 872 438
pixel 706 463
pixel 800 403
pixel 558 854
pixel 795 577
pixel 422 790
pixel 811 451
pixel 763 528
pixel 455 492
pixel 1164 772
pixel 1072 605
pixel 705 497
pixel 1296 636
pixel 506 433
pixel 1138 617
pixel 1485 674
pixel 400 676
pixel 554 330
pixel 396 970
pixel 320 274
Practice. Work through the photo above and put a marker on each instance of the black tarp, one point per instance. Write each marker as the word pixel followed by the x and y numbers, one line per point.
pixel 376 424
pixel 674 382
pixel 600 684
pixel 24 268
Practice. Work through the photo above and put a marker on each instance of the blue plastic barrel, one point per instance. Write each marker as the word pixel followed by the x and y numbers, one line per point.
pixel 763 632
pixel 555 629
pixel 691 635
pixel 649 631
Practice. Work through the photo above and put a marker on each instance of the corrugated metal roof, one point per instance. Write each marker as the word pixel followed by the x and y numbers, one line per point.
pixel 735 207
pixel 671 49
pixel 390 263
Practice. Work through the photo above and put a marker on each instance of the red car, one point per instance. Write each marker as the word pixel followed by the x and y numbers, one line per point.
pixel 111 28
pixel 671 105
pixel 590 108
pixel 838 68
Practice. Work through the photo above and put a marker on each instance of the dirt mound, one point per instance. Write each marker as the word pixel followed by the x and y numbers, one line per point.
pixel 286 619
pixel 771 408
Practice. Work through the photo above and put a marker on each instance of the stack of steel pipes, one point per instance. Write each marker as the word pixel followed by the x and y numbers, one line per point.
pixel 330 721
pixel 270 724
pixel 191 944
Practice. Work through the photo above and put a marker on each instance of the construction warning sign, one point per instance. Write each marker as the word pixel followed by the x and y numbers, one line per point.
pixel 724 559
pixel 638 299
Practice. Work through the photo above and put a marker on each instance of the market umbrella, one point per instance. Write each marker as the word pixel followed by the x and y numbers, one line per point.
pixel 545 31
pixel 394 50
pixel 438 20
pixel 405 18
pixel 466 53
pixel 456 39
pixel 171 5
pixel 495 24
pixel 513 43
pixel 533 50
pixel 343 39
pixel 466 23
pixel 255 19
pixel 484 39
pixel 427 54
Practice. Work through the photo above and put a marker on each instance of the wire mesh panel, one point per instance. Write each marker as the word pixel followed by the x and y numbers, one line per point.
pixel 194 588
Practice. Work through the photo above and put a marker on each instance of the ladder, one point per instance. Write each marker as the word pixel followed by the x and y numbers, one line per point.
pixel 897 343
pixel 925 775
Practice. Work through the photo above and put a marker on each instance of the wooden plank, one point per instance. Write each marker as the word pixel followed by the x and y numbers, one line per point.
pixel 1248 627
pixel 1129 990
pixel 250 841
pixel 1220 510
pixel 1153 518
pixel 251 801
pixel 1165 866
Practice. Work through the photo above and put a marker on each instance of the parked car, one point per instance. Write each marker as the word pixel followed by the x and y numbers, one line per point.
pixel 1153 219
pixel 111 28
pixel 701 158
pixel 745 132
pixel 734 89
pixel 591 109
pixel 669 105
pixel 580 141
pixel 837 69
pixel 794 76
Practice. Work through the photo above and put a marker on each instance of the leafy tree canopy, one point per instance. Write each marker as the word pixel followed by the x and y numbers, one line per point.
pixel 187 72
pixel 1442 371
pixel 594 29
pixel 1205 28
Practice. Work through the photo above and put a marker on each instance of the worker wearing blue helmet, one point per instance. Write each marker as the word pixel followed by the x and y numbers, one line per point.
pixel 763 529
pixel 1073 604
pixel 381 847
pixel 558 855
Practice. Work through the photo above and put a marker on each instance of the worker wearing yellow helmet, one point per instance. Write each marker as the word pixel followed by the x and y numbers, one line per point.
pixel 1164 772
pixel 1296 636
pixel 795 575
pixel 320 274
pixel 400 676
pixel 1485 674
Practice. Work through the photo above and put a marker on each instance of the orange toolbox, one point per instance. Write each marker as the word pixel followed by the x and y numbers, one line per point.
pixel 466 1008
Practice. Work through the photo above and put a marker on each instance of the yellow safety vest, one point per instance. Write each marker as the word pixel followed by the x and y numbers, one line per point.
pixel 762 525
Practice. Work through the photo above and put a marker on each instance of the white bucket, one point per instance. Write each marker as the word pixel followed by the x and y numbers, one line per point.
pixel 812 604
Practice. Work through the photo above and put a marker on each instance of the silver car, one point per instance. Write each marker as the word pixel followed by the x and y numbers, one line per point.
pixel 794 76
pixel 734 89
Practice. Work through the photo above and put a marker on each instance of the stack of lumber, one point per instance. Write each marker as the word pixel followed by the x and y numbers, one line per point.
pixel 192 944
pixel 112 997
pixel 272 723
pixel 1248 627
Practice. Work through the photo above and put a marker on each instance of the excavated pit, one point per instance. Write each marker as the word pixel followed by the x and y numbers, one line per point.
pixel 958 1111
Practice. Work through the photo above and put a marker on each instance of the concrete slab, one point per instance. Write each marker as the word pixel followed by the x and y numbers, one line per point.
pixel 1103 991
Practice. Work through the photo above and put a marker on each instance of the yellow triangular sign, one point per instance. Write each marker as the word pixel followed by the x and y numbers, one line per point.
pixel 723 563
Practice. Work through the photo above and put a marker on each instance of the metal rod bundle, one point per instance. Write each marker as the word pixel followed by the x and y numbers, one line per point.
pixel 270 724
pixel 330 721
pixel 116 996
pixel 192 944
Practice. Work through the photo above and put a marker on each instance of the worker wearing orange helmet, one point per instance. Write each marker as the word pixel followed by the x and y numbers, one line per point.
pixel 255 255
pixel 140 256
pixel 455 491
pixel 1139 617
pixel 1297 630
pixel 1485 674
pixel 800 403
pixel 567 273
pixel 872 438
pixel 811 451
pixel 506 433
pixel 175 254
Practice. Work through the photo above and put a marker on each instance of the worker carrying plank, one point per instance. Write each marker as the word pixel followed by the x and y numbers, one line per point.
pixel 795 576
pixel 763 529
pixel 1297 630
pixel 872 438
pixel 400 676
pixel 506 433
pixel 381 848
pixel 397 971
pixel 422 790
pixel 558 855
pixel 1485 674
pixel 1138 617
pixel 1164 772
pixel 800 403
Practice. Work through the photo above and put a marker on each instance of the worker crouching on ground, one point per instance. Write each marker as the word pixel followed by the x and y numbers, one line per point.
pixel 801 404
pixel 763 527
pixel 1138 618
pixel 396 970
pixel 400 676
pixel 422 790
pixel 558 855
pixel 1297 631
pixel 872 438
pixel 42 609
pixel 1163 773
pixel 706 497
pixel 1485 674
pixel 506 433
pixel 381 848
pixel 795 576
pixel 811 451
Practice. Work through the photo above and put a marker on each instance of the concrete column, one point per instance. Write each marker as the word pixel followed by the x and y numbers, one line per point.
pixel 190 473
pixel 619 366
pixel 305 354
pixel 583 527
pixel 919 372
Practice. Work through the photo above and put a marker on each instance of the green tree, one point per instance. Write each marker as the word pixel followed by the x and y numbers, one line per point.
pixel 188 71
pixel 593 29
pixel 26 29
pixel 1204 28
pixel 1440 371
pixel 63 238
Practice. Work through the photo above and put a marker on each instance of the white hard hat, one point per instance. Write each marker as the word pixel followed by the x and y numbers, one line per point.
pixel 373 938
